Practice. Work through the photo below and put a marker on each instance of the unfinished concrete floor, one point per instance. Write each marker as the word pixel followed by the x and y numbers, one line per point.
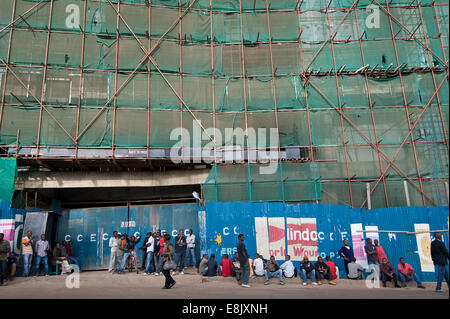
pixel 101 284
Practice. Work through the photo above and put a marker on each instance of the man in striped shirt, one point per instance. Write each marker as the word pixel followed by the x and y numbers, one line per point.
pixel 27 252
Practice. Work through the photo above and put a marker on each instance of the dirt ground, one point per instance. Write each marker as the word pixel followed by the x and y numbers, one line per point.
pixel 101 284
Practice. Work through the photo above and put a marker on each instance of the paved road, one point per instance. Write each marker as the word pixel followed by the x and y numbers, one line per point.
pixel 100 284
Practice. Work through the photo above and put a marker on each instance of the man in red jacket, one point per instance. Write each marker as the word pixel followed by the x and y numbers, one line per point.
pixel 226 266
pixel 380 252
pixel 332 267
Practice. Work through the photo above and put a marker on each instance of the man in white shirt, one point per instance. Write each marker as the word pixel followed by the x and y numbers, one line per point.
pixel 113 243
pixel 190 253
pixel 288 267
pixel 258 266
pixel 150 251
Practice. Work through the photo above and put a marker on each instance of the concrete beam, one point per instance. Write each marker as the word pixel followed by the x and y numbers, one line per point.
pixel 38 180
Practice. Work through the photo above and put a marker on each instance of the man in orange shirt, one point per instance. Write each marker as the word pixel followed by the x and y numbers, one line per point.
pixel 380 252
pixel 27 252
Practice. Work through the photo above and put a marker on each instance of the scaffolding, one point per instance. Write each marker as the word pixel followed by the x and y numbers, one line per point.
pixel 357 89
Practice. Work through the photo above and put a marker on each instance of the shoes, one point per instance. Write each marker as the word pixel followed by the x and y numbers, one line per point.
pixel 266 282
pixel 331 282
pixel 281 282
pixel 239 282
pixel 156 274
pixel 314 283
pixel 421 287
pixel 439 290
pixel 181 273
pixel 304 284
pixel 319 282
pixel 145 274
pixel 172 284
pixel 397 286
pixel 245 286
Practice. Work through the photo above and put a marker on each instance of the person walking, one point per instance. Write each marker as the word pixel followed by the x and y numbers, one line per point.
pixel 439 254
pixel 113 244
pixel 346 252
pixel 4 249
pixel 243 261
pixel 180 251
pixel 27 252
pixel 168 256
pixel 42 250
pixel 190 252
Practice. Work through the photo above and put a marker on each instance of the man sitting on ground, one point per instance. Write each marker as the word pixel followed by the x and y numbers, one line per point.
pixel 332 267
pixel 355 270
pixel 288 268
pixel 258 266
pixel 307 270
pixel 388 273
pixel 273 270
pixel 225 264
pixel 212 266
pixel 203 267
pixel 407 273
pixel 323 271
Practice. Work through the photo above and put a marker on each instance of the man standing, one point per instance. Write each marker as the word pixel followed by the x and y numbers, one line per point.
pixel 144 250
pixel 408 273
pixel 4 249
pixel 307 270
pixel 388 273
pixel 156 250
pixel 190 257
pixel 243 261
pixel 42 249
pixel 439 254
pixel 150 247
pixel 372 261
pixel 27 252
pixel 113 244
pixel 323 271
pixel 273 270
pixel 288 268
pixel 346 252
pixel 380 252
pixel 180 251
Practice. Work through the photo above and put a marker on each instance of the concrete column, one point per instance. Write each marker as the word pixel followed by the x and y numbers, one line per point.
pixel 408 200
pixel 369 199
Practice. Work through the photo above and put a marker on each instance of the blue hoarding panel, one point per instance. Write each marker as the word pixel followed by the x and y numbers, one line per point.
pixel 273 227
pixel 91 228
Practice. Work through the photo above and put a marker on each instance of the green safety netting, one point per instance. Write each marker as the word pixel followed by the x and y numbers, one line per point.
pixel 87 61
pixel 250 182
pixel 8 173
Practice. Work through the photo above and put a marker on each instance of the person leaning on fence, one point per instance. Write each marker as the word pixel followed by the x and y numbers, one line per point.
pixel 243 261
pixel 42 250
pixel 4 250
pixel 355 270
pixel 289 271
pixel 168 258
pixel 323 271
pixel 273 270
pixel 439 254
pixel 27 252
pixel 307 270
pixel 407 273
pixel 346 253
pixel 113 243
pixel 388 273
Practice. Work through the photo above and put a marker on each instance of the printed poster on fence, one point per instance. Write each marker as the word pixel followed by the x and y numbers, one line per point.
pixel 423 239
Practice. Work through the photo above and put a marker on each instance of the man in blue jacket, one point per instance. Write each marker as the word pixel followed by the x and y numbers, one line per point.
pixel 439 254
pixel 346 252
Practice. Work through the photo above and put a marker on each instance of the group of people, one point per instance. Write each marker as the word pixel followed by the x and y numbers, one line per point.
pixel 38 253
pixel 157 249
pixel 243 267
pixel 378 262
